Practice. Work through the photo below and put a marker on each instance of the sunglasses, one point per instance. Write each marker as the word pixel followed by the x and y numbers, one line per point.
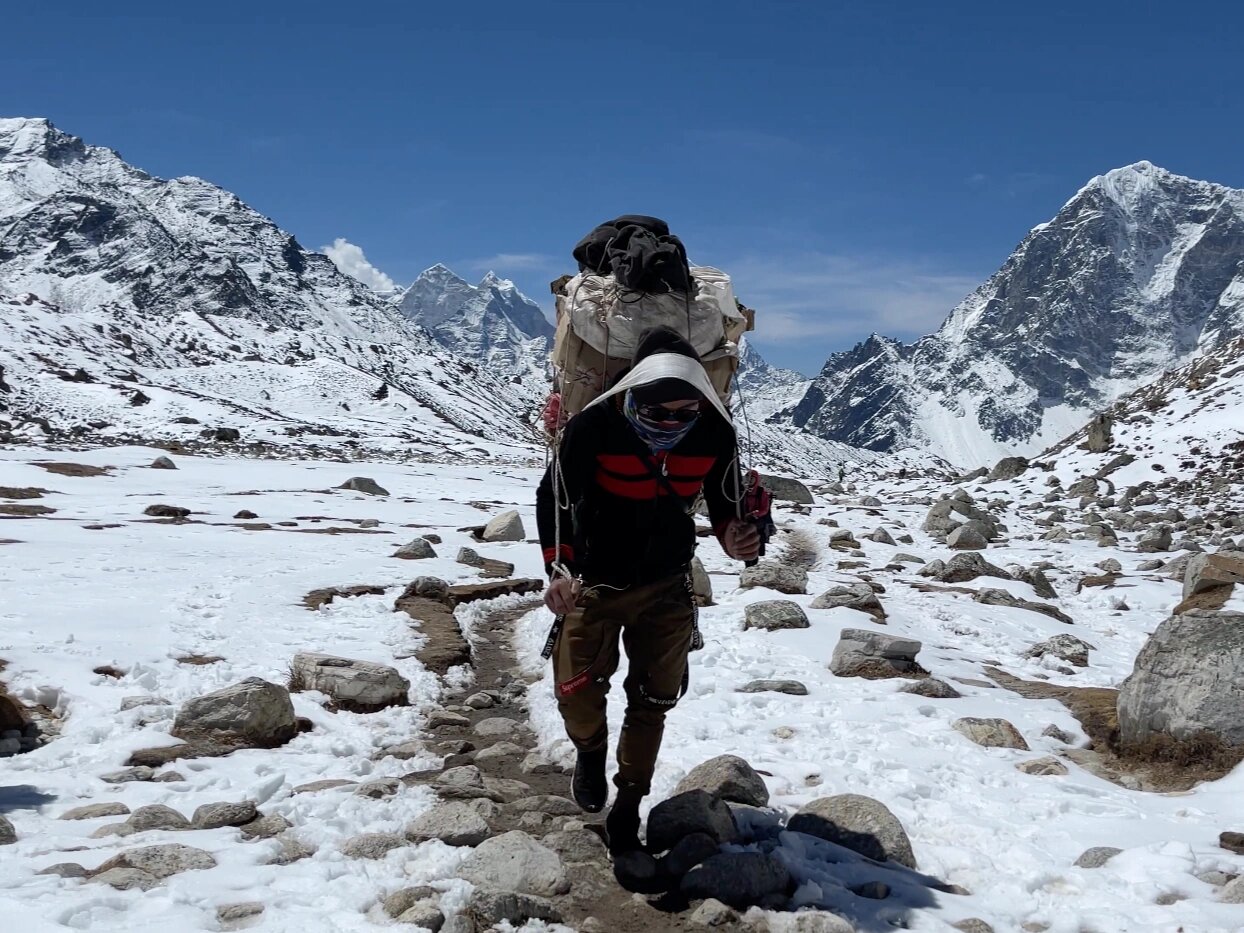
pixel 661 413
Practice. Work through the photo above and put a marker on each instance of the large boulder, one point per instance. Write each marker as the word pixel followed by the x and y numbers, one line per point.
pixel 358 686
pixel 694 811
pixel 739 879
pixel 858 596
pixel 967 566
pixel 773 575
pixel 858 823
pixel 947 514
pixel 515 862
pixel 728 777
pixel 1157 539
pixel 1008 468
pixel 161 861
pixel 1211 571
pixel 861 653
pixel 250 714
pixel 418 549
pixel 365 485
pixel 1186 681
pixel 968 537
pixel 774 614
pixel 787 490
pixel 1099 437
pixel 508 526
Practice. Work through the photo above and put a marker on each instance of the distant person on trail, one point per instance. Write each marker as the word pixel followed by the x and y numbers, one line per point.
pixel 618 501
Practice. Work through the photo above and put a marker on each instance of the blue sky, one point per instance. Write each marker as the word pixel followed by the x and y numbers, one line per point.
pixel 856 167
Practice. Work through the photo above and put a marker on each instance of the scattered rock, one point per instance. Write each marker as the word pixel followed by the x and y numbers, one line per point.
pixel 328 784
pixel 1233 891
pixel 230 914
pixel 973 925
pixel 125 879
pixel 1157 539
pixel 161 861
pixel 156 816
pixel 881 536
pixel 418 549
pixel 858 823
pixel 166 511
pixel 963 568
pixel 65 870
pixel 94 811
pixel 701 583
pixel 784 578
pixel 218 815
pixel 358 686
pixel 861 653
pixel 578 845
pixel 128 775
pixel 8 835
pixel 1059 735
pixel 790 687
pixel 364 485
pixel 497 725
pixel 1036 578
pixel 967 537
pixel 550 804
pixel 268 827
pixel 774 615
pixel 163 463
pixel 1043 767
pixel 372 845
pixel 1232 842
pixel 378 788
pixel 403 899
pixel 1066 647
pixel 1096 857
pixel 933 689
pixel 695 811
pixel 858 596
pixel 713 913
pixel 727 777
pixel 1211 571
pixel 250 714
pixel 246 515
pixel 453 823
pixel 785 489
pixel 995 597
pixel 991 733
pixel 508 526
pixel 490 908
pixel 515 862
pixel 1008 468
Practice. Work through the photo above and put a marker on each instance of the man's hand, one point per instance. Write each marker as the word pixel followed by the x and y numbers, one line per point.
pixel 562 595
pixel 741 540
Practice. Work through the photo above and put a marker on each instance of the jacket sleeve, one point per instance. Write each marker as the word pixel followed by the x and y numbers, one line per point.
pixel 555 501
pixel 722 486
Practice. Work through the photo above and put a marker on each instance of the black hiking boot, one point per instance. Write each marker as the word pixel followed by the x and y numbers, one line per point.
pixel 622 824
pixel 589 786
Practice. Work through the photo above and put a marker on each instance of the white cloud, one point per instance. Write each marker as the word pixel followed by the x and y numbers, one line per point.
pixel 845 298
pixel 350 259
pixel 511 262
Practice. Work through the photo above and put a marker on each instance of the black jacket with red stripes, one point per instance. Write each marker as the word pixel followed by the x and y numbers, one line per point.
pixel 620 522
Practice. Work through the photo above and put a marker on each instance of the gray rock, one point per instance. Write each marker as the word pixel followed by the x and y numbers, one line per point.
pixel 455 824
pixel 498 725
pixel 784 578
pixel 819 921
pixel 695 811
pixel 161 861
pixel 365 485
pixel 861 653
pixel 1110 565
pixel 551 804
pixel 785 489
pixel 1210 571
pixel 163 463
pixel 948 514
pixel 1097 856
pixel 990 733
pixel 250 714
pixel 372 845
pixel 790 687
pixel 536 763
pixel 157 816
pixel 489 908
pixel 967 566
pixel 1145 566
pixel 728 777
pixel 231 914
pixel 973 925
pixel 1043 767
pixel 701 583
pixel 218 815
pixel 1036 578
pixel 378 788
pixel 129 703
pixel 1059 735
pixel 94 811
pixel 773 615
pixel 442 718
pixel 508 526
pixel 932 688
pixel 515 862
pixel 1186 680
pixel 1157 539
pixel 904 558
pixel 1085 486
pixel 577 845
pixel 403 752
pixel 688 853
pixel 1008 468
pixel 125 879
pixel 996 597
pixel 858 596
pixel 426 915
pixel 65 870
pixel 403 899
pixel 501 751
pixel 480 701
pixel 881 536
pixel 1233 891
pixel 713 913
pixel 858 823
pixel 418 549
pixel 359 686
pixel 967 537
pixel 266 827
pixel 739 879
pixel 292 850
pixel 1067 647
pixel 8 835
pixel 128 775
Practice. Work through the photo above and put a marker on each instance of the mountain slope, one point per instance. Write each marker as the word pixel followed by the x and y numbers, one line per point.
pixel 178 290
pixel 1137 273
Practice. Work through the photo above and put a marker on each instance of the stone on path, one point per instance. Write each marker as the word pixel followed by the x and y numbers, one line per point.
pixel 358 686
pixel 772 575
pixel 453 823
pixel 861 653
pixel 515 862
pixel 364 484
pixel 691 812
pixel 990 733
pixel 508 526
pixel 713 913
pixel 727 777
pixel 773 615
pixel 497 725
pixel 488 908
pixel 858 823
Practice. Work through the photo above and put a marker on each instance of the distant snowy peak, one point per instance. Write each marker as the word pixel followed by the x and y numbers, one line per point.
pixel 1140 271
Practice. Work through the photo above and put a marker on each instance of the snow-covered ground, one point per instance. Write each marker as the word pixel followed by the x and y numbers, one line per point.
pixel 141 595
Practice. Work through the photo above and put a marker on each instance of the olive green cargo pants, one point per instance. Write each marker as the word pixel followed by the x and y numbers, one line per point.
pixel 655 622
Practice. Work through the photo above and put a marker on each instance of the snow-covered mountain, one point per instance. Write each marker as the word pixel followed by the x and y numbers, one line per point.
pixel 130 301
pixel 492 322
pixel 1138 273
